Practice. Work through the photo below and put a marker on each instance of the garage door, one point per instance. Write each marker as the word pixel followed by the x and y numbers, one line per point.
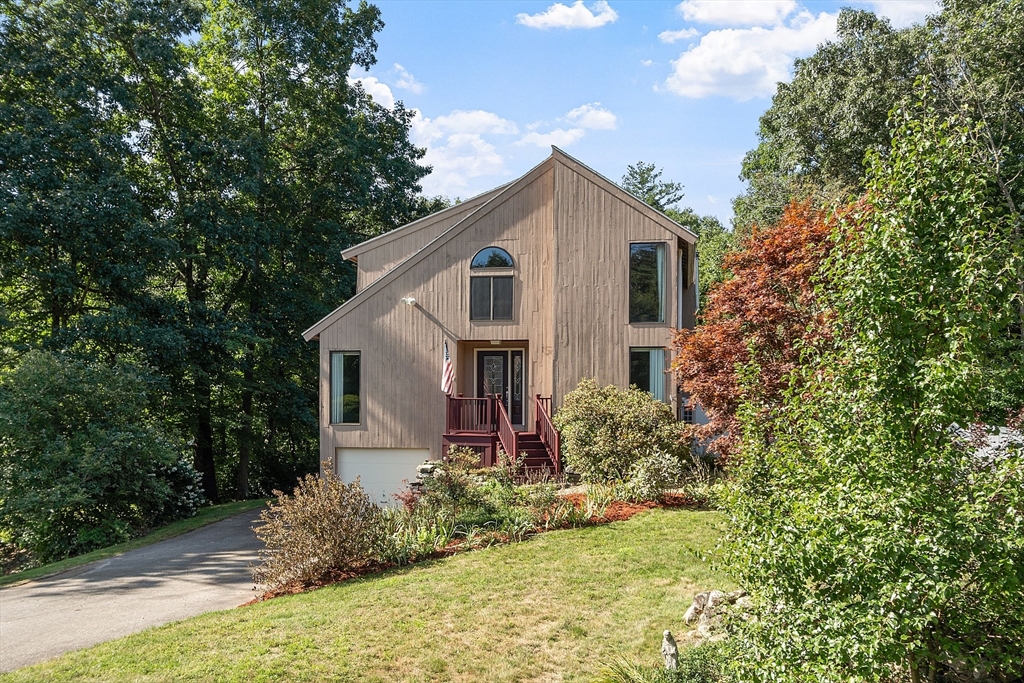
pixel 381 471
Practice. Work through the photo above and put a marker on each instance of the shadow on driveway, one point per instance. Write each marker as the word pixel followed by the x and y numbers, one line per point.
pixel 203 570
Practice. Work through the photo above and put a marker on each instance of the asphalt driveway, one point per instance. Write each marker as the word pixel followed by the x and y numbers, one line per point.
pixel 203 570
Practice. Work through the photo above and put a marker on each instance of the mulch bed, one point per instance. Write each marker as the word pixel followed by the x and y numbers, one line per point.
pixel 618 511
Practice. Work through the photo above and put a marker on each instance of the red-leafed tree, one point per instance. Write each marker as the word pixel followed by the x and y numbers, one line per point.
pixel 764 314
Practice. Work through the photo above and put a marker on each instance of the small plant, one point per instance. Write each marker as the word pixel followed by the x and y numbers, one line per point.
pixel 324 525
pixel 599 498
pixel 651 475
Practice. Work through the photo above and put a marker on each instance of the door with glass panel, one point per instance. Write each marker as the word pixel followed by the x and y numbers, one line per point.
pixel 503 374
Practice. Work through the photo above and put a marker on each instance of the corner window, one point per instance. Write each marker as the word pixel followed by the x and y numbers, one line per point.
pixel 490 298
pixel 647 371
pixel 345 403
pixel 647 282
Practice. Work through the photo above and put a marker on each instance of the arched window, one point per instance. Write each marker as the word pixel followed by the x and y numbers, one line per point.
pixel 490 296
pixel 492 257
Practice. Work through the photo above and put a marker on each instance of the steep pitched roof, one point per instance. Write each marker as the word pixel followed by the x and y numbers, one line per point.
pixel 488 202
pixel 354 251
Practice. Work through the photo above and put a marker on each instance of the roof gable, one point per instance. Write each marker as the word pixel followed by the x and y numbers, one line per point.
pixel 487 203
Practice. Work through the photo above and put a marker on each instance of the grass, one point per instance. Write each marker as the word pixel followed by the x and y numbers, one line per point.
pixel 207 515
pixel 550 609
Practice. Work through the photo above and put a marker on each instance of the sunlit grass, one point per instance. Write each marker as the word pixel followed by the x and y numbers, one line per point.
pixel 549 609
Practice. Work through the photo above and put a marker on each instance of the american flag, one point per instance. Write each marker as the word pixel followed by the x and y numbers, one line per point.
pixel 447 373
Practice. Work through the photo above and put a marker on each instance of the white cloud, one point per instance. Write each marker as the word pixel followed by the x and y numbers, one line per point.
pixel 575 16
pixel 558 137
pixel 737 12
pixel 457 149
pixel 682 34
pixel 747 63
pixel 380 92
pixel 903 13
pixel 406 81
pixel 646 62
pixel 592 116
pixel 459 122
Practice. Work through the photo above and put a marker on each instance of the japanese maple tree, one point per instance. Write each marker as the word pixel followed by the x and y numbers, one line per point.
pixel 764 315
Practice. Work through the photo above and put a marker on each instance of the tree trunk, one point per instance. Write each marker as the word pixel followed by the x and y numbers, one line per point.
pixel 204 439
pixel 245 438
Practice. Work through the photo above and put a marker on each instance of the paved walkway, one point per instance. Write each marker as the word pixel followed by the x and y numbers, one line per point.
pixel 203 570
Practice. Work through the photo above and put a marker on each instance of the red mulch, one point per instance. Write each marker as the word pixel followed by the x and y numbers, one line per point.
pixel 618 511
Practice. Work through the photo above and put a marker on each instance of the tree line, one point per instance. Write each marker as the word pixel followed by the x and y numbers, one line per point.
pixel 177 182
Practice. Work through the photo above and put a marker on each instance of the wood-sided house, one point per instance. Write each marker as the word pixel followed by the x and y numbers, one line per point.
pixel 555 277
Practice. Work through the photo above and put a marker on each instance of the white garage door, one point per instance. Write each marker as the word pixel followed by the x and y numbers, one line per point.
pixel 381 471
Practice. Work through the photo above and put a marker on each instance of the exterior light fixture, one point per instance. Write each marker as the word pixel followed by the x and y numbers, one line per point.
pixel 409 301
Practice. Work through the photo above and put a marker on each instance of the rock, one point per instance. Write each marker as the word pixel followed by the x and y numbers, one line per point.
pixel 670 651
pixel 709 609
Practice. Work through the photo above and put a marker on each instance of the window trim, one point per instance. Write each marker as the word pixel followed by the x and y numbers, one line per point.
pixel 663 285
pixel 512 261
pixel 664 362
pixel 512 303
pixel 330 387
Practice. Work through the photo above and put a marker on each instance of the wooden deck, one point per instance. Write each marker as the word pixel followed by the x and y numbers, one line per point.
pixel 483 425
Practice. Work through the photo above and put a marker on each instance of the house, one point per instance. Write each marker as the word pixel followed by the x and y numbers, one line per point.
pixel 557 276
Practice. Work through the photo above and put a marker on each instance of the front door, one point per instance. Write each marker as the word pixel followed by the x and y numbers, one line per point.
pixel 502 373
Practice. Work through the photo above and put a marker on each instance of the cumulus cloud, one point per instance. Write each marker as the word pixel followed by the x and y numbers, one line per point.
pixel 380 92
pixel 747 63
pixel 575 16
pixel 457 148
pixel 558 137
pixel 737 12
pixel 592 116
pixel 406 81
pixel 903 13
pixel 646 62
pixel 682 34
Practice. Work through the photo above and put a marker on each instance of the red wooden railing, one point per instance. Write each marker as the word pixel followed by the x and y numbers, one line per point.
pixel 509 437
pixel 473 415
pixel 546 430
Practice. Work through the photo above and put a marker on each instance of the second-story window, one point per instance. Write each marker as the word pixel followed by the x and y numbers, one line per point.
pixel 490 289
pixel 647 282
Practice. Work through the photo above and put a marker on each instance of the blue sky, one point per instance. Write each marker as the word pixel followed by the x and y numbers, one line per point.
pixel 679 84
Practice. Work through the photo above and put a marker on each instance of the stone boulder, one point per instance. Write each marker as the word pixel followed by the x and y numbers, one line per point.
pixel 709 609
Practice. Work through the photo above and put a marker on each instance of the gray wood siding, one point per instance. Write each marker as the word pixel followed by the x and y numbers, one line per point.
pixel 401 345
pixel 593 231
pixel 375 262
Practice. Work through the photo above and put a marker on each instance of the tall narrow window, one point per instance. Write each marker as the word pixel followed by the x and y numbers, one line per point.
pixel 647 371
pixel 647 282
pixel 345 403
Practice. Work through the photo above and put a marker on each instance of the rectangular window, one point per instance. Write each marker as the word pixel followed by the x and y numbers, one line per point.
pixel 490 298
pixel 647 371
pixel 345 387
pixel 647 282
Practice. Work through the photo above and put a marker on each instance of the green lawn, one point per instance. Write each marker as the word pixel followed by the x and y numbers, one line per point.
pixel 207 515
pixel 549 609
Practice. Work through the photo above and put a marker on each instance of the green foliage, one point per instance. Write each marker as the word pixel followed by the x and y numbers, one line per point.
pixel 707 662
pixel 179 180
pixel 651 475
pixel 644 181
pixel 83 462
pixel 814 137
pixel 606 431
pixel 325 525
pixel 877 543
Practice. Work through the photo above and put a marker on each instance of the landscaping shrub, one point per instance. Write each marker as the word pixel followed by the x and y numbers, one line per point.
pixel 84 463
pixel 606 431
pixel 651 475
pixel 325 525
